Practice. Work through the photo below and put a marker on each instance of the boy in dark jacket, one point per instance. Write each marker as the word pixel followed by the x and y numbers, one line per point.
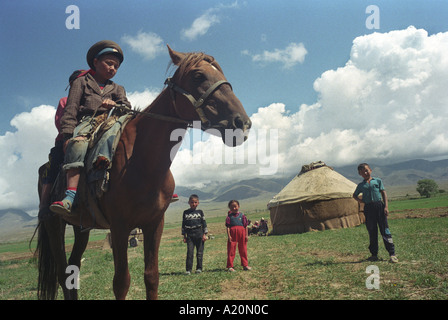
pixel 194 230
pixel 90 98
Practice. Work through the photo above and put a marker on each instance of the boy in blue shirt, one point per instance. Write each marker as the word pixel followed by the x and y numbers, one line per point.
pixel 375 210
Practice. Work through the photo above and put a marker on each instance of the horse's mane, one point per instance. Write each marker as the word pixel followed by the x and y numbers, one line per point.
pixel 192 59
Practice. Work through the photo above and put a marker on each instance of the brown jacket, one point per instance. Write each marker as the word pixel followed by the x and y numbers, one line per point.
pixel 85 97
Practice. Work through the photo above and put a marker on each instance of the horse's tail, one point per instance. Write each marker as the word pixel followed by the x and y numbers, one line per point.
pixel 47 285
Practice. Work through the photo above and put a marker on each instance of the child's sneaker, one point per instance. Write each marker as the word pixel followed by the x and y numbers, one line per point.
pixel 372 258
pixel 247 268
pixel 63 207
pixel 231 270
pixel 393 259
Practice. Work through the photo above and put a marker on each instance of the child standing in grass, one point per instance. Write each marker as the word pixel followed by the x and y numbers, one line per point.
pixel 194 230
pixel 375 210
pixel 237 233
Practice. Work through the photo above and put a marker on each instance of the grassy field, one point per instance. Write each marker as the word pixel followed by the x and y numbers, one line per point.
pixel 316 265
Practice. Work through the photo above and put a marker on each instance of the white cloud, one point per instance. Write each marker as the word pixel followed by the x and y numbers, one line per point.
pixel 293 54
pixel 140 100
pixel 388 102
pixel 148 44
pixel 23 151
pixel 391 95
pixel 204 22
pixel 200 25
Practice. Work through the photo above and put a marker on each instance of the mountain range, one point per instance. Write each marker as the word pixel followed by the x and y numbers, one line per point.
pixel 399 178
pixel 16 225
pixel 255 193
pixel 399 174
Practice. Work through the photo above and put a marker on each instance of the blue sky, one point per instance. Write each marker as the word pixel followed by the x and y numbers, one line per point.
pixel 289 62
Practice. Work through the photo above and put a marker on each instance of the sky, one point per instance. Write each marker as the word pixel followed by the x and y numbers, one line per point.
pixel 338 81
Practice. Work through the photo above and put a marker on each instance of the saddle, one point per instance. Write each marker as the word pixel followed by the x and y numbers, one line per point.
pixel 102 145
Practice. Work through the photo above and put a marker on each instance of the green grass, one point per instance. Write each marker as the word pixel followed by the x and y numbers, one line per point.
pixel 14 247
pixel 419 203
pixel 315 265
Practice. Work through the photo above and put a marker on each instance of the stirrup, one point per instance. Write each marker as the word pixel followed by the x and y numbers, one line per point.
pixel 63 207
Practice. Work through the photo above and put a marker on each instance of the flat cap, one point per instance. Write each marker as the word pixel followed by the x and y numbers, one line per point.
pixel 103 47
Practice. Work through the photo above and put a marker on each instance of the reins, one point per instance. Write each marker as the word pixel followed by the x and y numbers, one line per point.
pixel 153 115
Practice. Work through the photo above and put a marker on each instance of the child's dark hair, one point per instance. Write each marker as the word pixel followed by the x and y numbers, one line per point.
pixel 193 196
pixel 361 166
pixel 232 201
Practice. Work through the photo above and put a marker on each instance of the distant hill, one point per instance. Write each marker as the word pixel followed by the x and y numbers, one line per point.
pixel 255 193
pixel 243 189
pixel 186 192
pixel 15 214
pixel 239 192
pixel 402 173
pixel 398 174
pixel 16 225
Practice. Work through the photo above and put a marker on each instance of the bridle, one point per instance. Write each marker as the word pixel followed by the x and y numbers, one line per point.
pixel 199 103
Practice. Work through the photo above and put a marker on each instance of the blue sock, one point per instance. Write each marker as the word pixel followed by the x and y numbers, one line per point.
pixel 70 195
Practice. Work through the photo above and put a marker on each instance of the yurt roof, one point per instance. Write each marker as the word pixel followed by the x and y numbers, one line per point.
pixel 315 182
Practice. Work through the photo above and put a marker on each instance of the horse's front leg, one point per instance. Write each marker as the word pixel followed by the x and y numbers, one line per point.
pixel 81 241
pixel 151 241
pixel 122 279
pixel 57 245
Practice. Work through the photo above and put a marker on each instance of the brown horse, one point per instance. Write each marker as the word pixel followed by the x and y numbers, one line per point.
pixel 141 183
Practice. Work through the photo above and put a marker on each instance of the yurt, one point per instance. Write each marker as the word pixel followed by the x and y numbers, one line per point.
pixel 318 198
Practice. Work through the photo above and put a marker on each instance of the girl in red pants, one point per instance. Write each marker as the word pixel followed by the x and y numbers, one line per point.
pixel 236 223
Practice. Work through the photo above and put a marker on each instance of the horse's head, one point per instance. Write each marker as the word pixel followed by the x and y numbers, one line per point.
pixel 203 93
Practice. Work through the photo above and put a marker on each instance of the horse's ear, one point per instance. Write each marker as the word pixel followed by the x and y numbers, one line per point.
pixel 176 57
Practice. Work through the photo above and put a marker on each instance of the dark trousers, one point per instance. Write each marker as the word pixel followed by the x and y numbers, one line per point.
pixel 376 219
pixel 194 240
